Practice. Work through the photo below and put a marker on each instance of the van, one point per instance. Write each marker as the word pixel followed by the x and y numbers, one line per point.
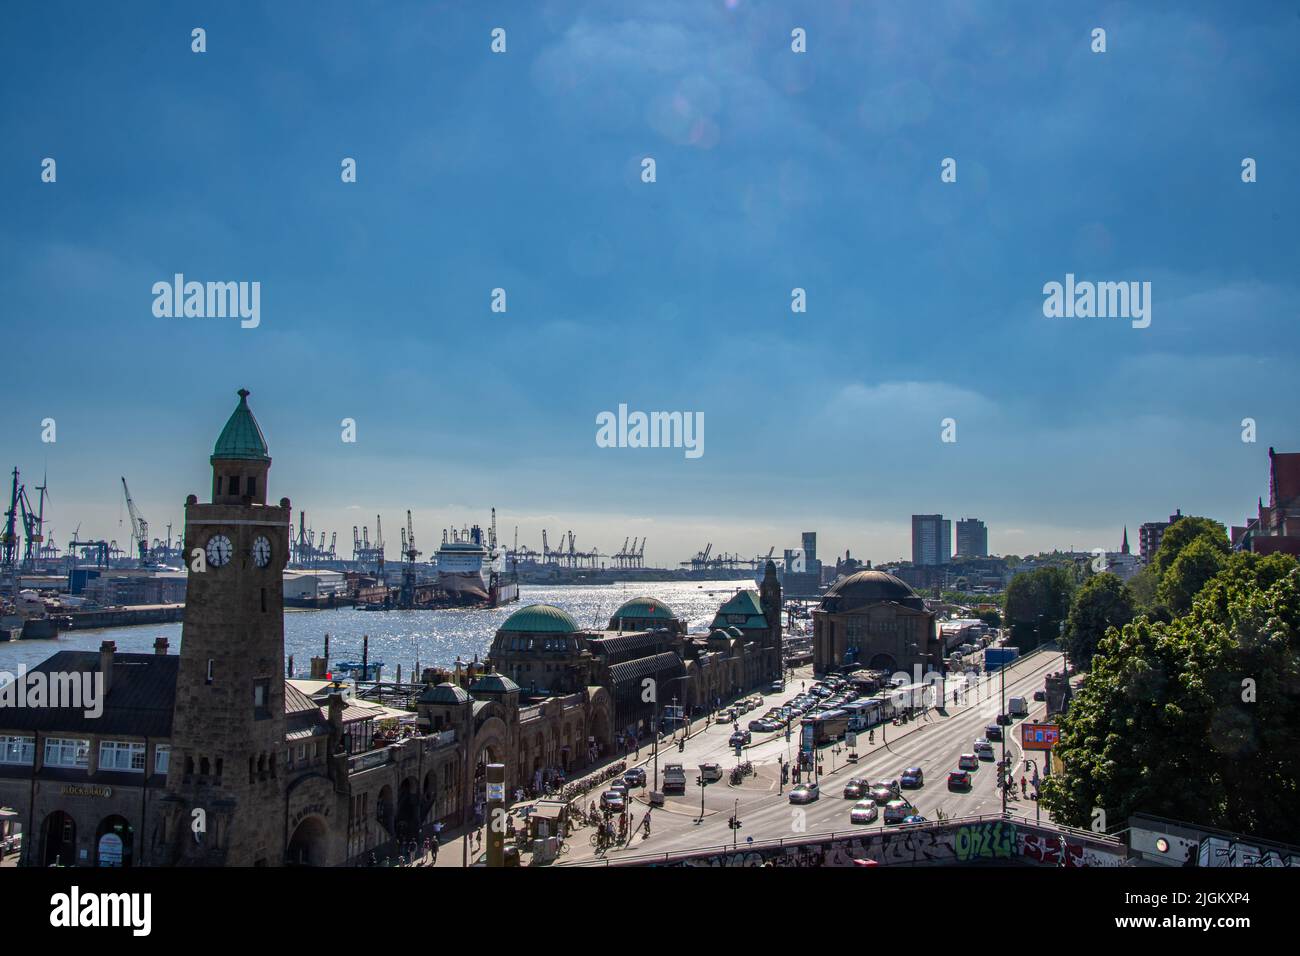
pixel 1017 706
pixel 674 778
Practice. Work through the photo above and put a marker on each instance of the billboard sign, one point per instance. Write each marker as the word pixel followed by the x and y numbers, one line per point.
pixel 1039 736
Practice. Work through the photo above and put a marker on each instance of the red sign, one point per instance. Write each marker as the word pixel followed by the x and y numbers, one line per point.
pixel 1039 736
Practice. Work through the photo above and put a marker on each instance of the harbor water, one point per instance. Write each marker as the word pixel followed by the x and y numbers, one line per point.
pixel 431 638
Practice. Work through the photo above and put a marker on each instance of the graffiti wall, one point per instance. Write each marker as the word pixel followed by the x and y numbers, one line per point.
pixel 986 841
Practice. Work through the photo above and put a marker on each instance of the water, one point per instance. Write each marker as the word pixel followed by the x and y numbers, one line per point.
pixel 403 637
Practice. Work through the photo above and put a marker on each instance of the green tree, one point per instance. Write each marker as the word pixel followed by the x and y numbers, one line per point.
pixel 1182 533
pixel 1103 602
pixel 1195 565
pixel 1198 719
pixel 1036 604
pixel 1143 587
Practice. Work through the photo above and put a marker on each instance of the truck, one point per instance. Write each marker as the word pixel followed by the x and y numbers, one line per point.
pixel 1017 707
pixel 674 778
pixel 995 657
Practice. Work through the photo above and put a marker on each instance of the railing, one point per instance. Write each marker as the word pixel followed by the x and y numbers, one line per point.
pixel 857 833
pixel 359 763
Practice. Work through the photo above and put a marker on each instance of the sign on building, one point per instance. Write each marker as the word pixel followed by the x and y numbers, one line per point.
pixel 1039 736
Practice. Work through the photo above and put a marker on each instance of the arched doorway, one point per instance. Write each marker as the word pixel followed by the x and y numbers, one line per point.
pixel 385 809
pixel 407 820
pixel 883 662
pixel 307 845
pixel 114 842
pixel 59 840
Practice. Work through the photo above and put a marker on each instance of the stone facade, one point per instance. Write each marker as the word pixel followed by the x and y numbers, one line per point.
pixel 876 620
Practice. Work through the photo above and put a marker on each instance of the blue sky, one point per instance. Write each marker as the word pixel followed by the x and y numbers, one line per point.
pixel 775 170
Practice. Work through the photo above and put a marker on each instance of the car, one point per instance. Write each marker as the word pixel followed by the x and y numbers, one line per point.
pixel 958 779
pixel 805 793
pixel 864 811
pixel 740 738
pixel 635 777
pixel 1004 719
pixel 881 795
pixel 710 772
pixel 1040 695
pixel 896 811
pixel 983 749
pixel 856 789
pixel 993 732
pixel 613 800
pixel 914 818
pixel 968 762
pixel 763 725
pixel 776 687
pixel 728 715
pixel 912 777
pixel 889 784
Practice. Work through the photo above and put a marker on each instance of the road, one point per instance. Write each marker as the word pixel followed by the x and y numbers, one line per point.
pixel 932 742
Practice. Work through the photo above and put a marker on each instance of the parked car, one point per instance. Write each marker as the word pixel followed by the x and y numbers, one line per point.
pixel 968 762
pixel 958 779
pixel 728 715
pixel 776 687
pixel 761 726
pixel 864 811
pixel 856 789
pixel 896 811
pixel 635 777
pixel 912 777
pixel 805 793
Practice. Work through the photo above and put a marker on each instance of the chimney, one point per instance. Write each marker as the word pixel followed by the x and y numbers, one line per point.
pixel 106 650
pixel 160 646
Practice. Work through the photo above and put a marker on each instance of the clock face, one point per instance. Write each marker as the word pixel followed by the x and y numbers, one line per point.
pixel 219 550
pixel 261 552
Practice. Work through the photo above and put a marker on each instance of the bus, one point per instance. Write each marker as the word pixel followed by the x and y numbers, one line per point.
pixel 824 727
pixel 864 714
pixel 914 696
pixel 886 703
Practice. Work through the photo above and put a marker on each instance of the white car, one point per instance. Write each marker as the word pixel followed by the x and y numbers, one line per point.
pixel 864 811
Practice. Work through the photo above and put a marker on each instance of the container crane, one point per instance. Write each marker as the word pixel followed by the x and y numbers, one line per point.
pixel 139 527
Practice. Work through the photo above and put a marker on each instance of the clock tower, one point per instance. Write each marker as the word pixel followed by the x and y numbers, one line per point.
pixel 226 774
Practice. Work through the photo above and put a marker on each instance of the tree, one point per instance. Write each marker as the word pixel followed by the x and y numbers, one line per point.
pixel 1182 533
pixel 1036 604
pixel 1195 565
pixel 1195 720
pixel 1103 602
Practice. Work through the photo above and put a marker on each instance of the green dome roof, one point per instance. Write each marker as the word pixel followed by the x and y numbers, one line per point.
pixel 444 693
pixel 645 607
pixel 241 438
pixel 493 683
pixel 540 619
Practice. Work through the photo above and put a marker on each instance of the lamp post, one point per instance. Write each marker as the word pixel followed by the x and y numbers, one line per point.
pixel 1002 709
pixel 1038 812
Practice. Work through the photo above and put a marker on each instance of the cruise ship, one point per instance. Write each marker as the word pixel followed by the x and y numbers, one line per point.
pixel 473 571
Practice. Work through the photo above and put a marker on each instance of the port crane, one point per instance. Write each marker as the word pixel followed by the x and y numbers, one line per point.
pixel 406 597
pixel 139 527
pixel 9 541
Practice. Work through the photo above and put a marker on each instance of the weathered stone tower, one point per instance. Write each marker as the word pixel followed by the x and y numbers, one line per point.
pixel 769 598
pixel 228 732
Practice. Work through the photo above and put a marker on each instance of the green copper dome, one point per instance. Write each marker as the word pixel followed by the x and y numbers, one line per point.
pixel 643 608
pixel 241 438
pixel 540 619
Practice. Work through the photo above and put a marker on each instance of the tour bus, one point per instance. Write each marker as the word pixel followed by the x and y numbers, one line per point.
pixel 914 696
pixel 886 702
pixel 864 714
pixel 823 727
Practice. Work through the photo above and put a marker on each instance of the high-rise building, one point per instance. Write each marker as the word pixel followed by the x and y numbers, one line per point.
pixel 931 540
pixel 972 538
pixel 1150 534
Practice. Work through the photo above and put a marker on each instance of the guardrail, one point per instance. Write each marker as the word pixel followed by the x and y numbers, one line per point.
pixel 1107 840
